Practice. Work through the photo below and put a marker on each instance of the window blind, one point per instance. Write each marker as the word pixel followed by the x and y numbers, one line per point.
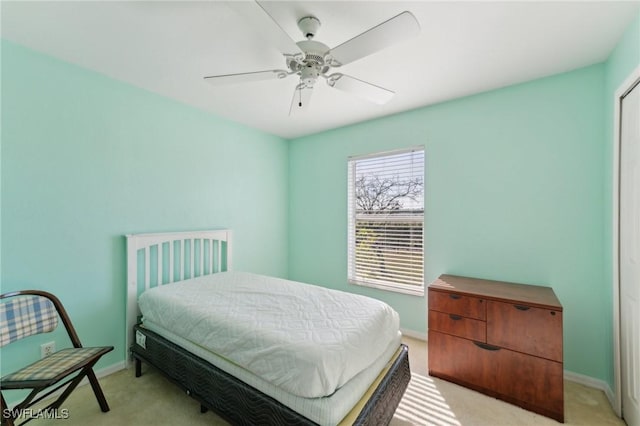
pixel 386 220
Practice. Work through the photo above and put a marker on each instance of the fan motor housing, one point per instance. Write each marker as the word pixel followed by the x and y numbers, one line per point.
pixel 312 65
pixel 314 51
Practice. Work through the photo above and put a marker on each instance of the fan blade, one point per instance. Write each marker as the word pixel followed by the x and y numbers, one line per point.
pixel 244 77
pixel 362 89
pixel 265 26
pixel 301 99
pixel 396 29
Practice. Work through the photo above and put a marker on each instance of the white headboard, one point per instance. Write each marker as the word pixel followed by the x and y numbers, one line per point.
pixel 163 258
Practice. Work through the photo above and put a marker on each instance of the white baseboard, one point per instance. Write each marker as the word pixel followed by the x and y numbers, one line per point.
pixel 99 374
pixel 414 334
pixel 592 383
pixel 106 371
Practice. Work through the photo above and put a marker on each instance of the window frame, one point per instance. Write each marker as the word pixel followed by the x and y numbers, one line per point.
pixel 352 217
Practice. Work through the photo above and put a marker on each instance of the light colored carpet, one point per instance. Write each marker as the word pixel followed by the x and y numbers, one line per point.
pixel 154 401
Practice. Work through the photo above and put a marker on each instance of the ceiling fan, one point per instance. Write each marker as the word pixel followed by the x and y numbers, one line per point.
pixel 310 59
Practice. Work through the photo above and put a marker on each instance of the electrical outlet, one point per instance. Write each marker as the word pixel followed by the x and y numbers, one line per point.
pixel 47 349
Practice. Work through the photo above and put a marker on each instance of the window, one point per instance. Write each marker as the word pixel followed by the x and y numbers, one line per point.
pixel 386 220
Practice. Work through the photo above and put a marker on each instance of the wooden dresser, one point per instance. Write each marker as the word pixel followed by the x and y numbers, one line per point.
pixel 501 339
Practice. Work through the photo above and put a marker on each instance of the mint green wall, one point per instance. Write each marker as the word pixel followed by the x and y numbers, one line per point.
pixel 87 159
pixel 513 192
pixel 624 59
pixel 518 188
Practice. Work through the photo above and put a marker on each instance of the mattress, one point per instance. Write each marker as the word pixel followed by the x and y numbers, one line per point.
pixel 306 340
pixel 326 411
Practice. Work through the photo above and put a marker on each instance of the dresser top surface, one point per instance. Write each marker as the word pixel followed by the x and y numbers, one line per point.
pixel 499 290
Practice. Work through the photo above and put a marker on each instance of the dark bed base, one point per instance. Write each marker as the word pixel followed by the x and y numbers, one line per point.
pixel 241 404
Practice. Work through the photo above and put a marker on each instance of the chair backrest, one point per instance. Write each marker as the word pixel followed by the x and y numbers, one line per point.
pixel 23 316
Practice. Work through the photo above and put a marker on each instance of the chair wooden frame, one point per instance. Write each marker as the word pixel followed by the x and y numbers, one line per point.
pixel 64 379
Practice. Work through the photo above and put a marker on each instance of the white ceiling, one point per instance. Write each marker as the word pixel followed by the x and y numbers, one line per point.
pixel 463 48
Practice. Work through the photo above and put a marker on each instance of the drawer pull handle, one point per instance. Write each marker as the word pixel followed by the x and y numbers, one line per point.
pixel 455 317
pixel 455 296
pixel 522 307
pixel 487 347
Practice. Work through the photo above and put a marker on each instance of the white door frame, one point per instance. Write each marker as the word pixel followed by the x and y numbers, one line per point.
pixel 625 87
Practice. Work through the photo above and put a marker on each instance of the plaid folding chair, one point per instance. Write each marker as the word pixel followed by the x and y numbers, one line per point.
pixel 29 312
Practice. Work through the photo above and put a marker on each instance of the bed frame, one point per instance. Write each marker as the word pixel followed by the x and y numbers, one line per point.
pixel 158 259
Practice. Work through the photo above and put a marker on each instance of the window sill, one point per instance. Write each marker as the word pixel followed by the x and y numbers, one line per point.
pixel 395 288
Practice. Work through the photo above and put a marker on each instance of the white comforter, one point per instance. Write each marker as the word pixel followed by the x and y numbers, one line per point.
pixel 305 339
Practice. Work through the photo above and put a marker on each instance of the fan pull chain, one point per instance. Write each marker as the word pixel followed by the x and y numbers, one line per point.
pixel 300 97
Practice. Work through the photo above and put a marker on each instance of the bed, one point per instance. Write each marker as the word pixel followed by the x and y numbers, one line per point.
pixel 355 376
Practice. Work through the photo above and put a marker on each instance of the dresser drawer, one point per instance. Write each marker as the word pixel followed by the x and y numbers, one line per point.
pixel 532 382
pixel 526 329
pixel 526 380
pixel 458 325
pixel 457 304
pixel 459 360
